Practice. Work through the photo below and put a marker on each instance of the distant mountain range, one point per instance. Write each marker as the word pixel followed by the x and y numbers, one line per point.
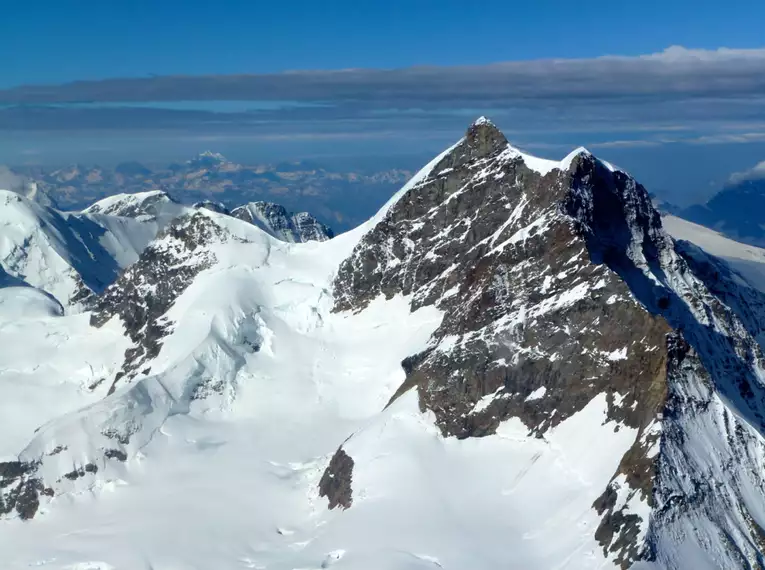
pixel 339 199
pixel 737 211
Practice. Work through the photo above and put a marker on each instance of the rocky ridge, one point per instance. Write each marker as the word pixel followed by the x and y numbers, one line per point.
pixel 557 284
pixel 148 288
pixel 276 221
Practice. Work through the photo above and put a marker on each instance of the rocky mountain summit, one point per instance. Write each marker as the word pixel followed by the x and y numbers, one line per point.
pixel 511 341
pixel 153 203
pixel 557 285
pixel 286 226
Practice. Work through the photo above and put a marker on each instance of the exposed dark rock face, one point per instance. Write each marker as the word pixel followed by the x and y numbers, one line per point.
pixel 525 309
pixel 212 206
pixel 727 287
pixel 336 481
pixel 115 454
pixel 286 226
pixel 558 285
pixel 149 287
pixel 20 489
pixel 81 471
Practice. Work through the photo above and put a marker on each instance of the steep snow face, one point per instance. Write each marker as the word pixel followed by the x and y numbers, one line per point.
pixel 133 220
pixel 276 221
pixel 34 192
pixel 748 260
pixel 58 253
pixel 454 360
pixel 74 255
pixel 25 302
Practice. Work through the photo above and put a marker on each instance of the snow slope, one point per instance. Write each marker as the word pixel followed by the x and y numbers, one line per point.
pixel 51 364
pixel 748 260
pixel 71 255
pixel 39 247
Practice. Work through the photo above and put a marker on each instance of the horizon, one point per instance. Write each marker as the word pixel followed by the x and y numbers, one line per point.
pixel 676 101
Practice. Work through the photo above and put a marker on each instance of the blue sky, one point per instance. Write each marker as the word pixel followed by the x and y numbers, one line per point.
pixel 680 105
pixel 56 41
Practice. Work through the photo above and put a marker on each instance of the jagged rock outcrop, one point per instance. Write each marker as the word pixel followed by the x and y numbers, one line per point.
pixel 557 283
pixel 485 238
pixel 149 287
pixel 212 206
pixel 275 220
pixel 20 489
pixel 337 479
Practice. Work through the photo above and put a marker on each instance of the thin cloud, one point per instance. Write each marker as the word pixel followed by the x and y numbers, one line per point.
pixel 720 138
pixel 9 180
pixel 757 172
pixel 627 143
pixel 677 95
pixel 677 72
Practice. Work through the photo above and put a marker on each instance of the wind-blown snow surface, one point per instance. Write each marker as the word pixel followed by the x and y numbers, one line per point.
pixel 212 454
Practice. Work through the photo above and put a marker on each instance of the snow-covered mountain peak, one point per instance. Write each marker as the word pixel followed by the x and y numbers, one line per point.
pixel 569 158
pixel 213 155
pixel 544 276
pixel 67 256
pixel 482 120
pixel 211 205
pixel 209 160
pixel 484 139
pixel 276 221
pixel 153 203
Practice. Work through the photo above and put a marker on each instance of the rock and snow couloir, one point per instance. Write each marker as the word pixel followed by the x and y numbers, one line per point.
pixel 512 365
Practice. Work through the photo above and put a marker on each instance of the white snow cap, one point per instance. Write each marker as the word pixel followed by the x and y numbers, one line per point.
pixel 482 121
pixel 543 165
pixel 216 155
pixel 566 162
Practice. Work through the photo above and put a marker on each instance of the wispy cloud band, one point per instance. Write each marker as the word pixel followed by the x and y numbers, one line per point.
pixel 676 71
pixel 699 93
